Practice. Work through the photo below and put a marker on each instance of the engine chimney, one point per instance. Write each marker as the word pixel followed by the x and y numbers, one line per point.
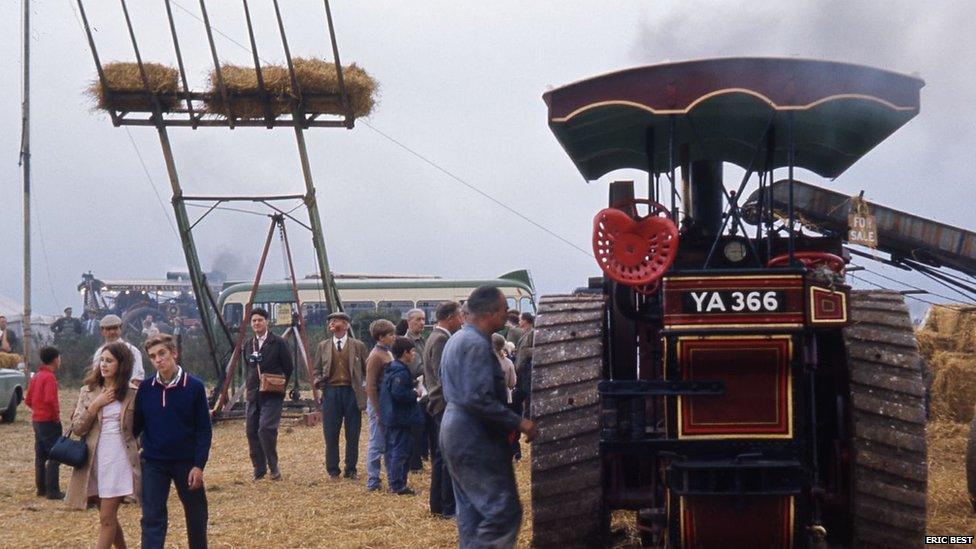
pixel 704 195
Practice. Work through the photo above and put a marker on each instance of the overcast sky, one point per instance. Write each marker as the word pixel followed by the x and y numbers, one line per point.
pixel 461 84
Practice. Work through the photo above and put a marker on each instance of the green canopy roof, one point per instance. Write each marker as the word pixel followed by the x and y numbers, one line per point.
pixel 734 110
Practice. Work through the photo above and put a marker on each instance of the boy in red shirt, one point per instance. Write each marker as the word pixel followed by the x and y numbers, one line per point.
pixel 42 399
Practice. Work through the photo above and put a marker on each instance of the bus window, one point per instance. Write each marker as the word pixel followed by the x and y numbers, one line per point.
pixel 233 313
pixel 511 303
pixel 353 307
pixel 526 305
pixel 400 307
pixel 316 314
pixel 430 309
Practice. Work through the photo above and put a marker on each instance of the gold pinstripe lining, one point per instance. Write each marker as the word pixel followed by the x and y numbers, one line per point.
pixel 725 91
pixel 789 392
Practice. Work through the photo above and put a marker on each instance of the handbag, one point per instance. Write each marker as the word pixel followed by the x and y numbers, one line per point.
pixel 69 452
pixel 270 383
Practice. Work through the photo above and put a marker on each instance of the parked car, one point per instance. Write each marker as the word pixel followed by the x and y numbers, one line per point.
pixel 13 387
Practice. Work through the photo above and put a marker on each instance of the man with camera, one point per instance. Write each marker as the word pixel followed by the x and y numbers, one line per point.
pixel 269 367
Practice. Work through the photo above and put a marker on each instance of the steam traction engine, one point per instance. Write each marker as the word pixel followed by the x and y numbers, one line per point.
pixel 721 379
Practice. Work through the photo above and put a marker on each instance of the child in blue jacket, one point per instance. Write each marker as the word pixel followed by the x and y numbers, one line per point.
pixel 398 412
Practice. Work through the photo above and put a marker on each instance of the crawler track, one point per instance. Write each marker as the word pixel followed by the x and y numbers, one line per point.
pixel 567 364
pixel 888 422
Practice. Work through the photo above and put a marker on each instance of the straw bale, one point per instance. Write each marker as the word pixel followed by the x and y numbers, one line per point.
pixel 930 343
pixel 314 76
pixel 320 76
pixel 948 506
pixel 947 431
pixel 241 84
pixel 953 392
pixel 955 326
pixel 126 78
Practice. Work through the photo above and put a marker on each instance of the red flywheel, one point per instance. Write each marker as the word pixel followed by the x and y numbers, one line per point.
pixel 635 252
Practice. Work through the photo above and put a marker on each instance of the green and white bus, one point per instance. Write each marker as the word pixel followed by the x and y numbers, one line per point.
pixel 361 293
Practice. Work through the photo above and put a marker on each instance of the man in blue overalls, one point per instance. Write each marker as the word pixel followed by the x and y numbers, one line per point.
pixel 476 428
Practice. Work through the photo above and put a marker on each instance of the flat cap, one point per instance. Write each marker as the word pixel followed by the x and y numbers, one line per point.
pixel 110 321
pixel 339 315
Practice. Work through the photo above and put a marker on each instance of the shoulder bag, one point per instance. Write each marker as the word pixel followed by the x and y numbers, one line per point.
pixel 270 383
pixel 69 452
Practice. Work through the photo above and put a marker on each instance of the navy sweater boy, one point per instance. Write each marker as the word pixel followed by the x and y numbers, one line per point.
pixel 174 421
pixel 172 415
pixel 399 411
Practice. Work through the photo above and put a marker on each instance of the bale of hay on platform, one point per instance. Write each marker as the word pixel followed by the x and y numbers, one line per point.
pixel 241 85
pixel 127 90
pixel 314 76
pixel 317 76
pixel 953 392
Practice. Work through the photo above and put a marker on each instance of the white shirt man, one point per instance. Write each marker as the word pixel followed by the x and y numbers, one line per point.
pixel 340 342
pixel 111 327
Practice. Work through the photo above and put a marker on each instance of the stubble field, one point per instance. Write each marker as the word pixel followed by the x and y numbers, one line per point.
pixel 306 509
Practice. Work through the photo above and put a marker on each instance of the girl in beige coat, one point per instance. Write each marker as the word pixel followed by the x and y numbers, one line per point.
pixel 104 415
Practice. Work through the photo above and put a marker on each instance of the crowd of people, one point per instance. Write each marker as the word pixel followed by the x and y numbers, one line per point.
pixel 457 397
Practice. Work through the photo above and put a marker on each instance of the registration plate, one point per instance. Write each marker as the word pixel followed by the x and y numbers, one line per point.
pixel 732 301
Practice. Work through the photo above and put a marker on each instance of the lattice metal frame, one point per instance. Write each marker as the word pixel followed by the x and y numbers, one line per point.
pixel 188 112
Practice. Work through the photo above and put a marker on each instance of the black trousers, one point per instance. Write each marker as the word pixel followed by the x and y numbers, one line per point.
pixel 263 413
pixel 441 484
pixel 429 426
pixel 156 479
pixel 522 395
pixel 46 433
pixel 339 407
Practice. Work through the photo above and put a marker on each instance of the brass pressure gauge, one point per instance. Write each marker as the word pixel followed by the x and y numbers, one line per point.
pixel 735 251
